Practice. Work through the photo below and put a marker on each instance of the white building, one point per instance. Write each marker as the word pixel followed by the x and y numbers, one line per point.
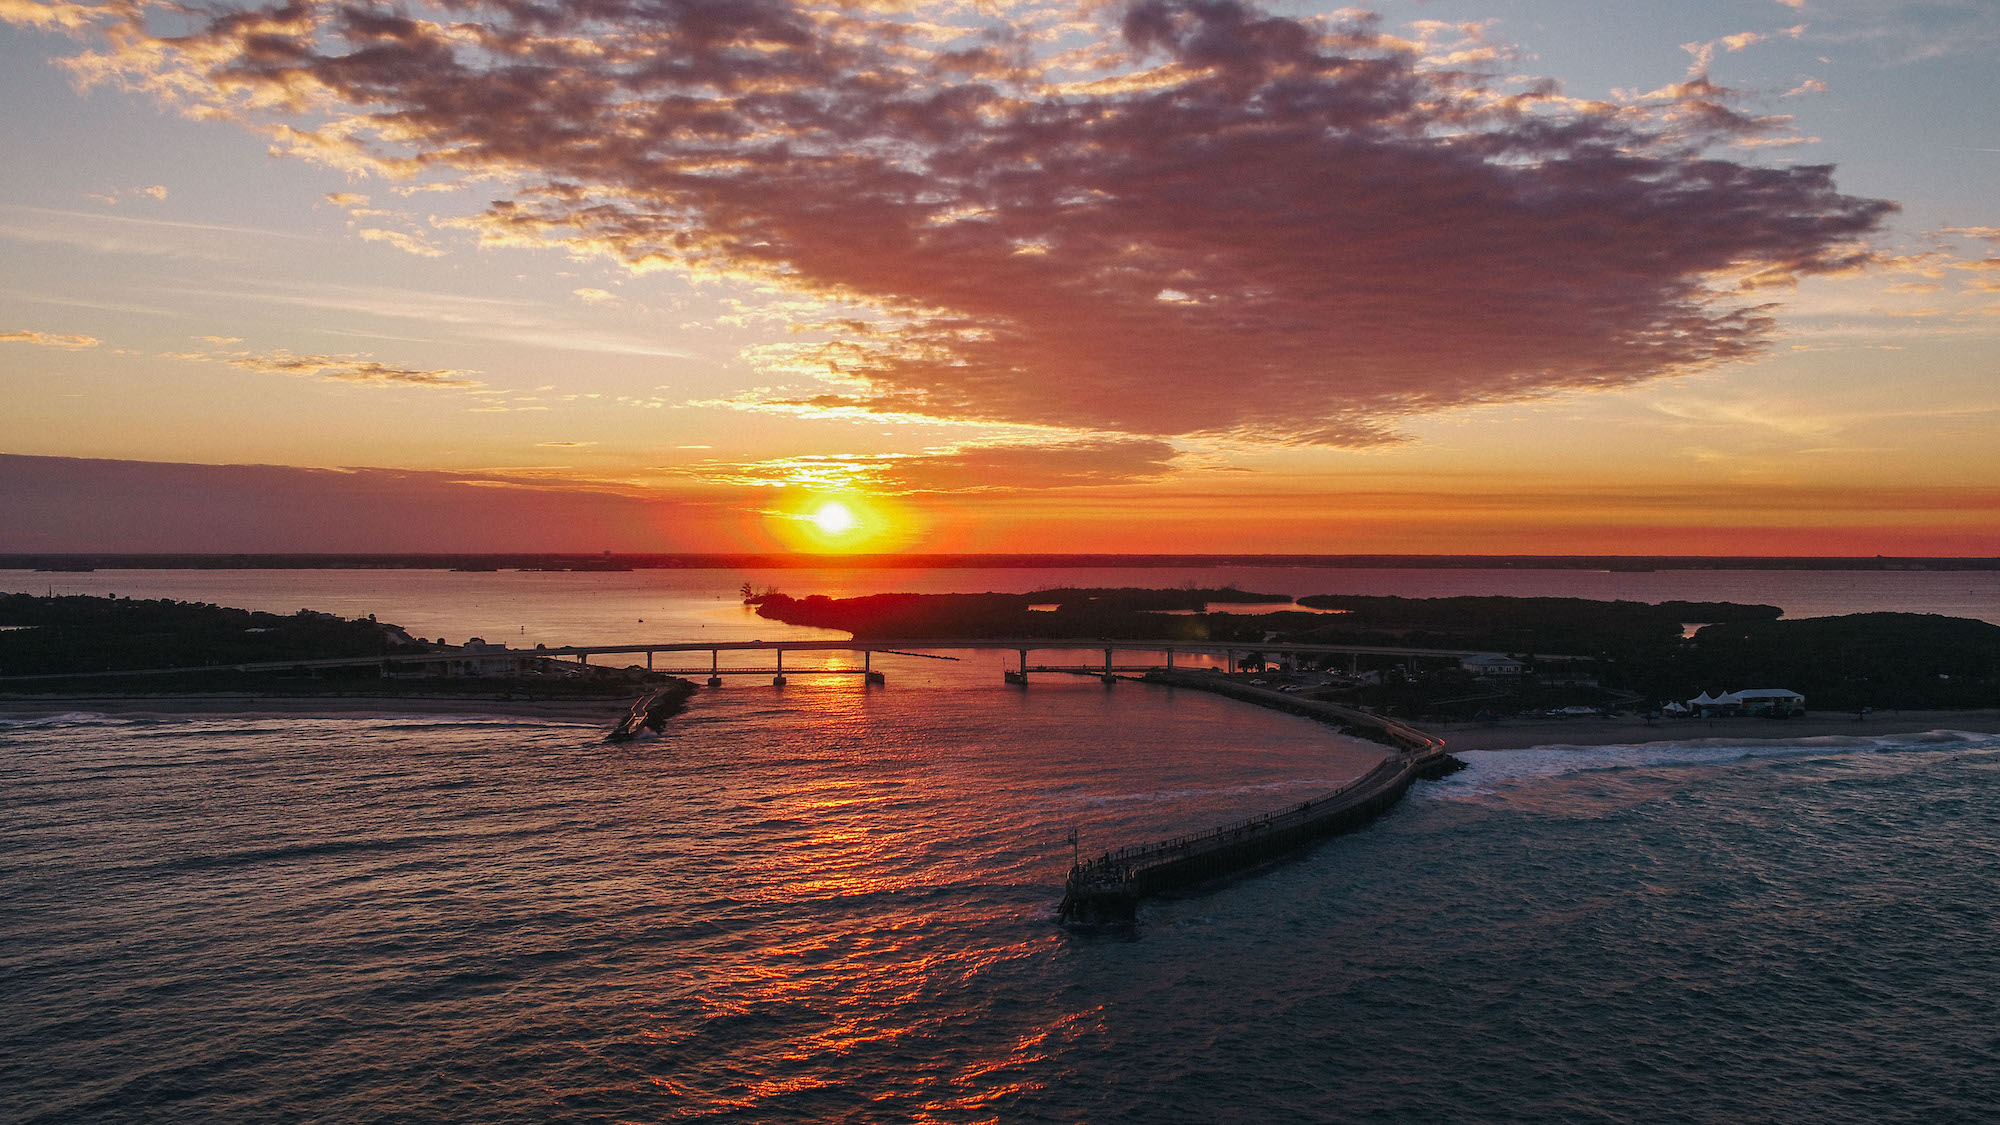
pixel 1750 701
pixel 1492 664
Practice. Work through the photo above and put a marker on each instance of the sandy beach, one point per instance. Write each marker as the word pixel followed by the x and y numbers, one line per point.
pixel 1517 735
pixel 598 712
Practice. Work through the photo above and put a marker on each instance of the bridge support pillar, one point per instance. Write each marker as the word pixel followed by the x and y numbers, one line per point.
pixel 649 660
pixel 1108 677
pixel 779 679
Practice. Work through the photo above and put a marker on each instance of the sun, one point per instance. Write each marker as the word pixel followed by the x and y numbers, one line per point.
pixel 834 518
pixel 840 523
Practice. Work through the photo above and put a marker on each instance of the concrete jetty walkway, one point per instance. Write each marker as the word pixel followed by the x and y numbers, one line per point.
pixel 1108 889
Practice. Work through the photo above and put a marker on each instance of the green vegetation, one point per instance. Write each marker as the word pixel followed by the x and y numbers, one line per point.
pixel 1617 654
pixel 1911 661
pixel 85 634
pixel 1571 626
pixel 87 640
pixel 1077 613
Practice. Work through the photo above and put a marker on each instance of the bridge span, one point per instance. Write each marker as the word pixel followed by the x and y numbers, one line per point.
pixel 1020 646
pixel 498 659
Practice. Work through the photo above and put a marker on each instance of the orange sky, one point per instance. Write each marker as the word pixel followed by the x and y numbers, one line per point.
pixel 1158 277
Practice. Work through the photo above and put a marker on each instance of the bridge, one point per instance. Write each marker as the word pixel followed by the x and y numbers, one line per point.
pixel 497 659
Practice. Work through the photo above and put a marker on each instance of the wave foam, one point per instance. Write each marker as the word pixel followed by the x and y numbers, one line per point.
pixel 66 718
pixel 1486 769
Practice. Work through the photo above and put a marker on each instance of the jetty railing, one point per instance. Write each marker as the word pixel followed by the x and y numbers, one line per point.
pixel 1134 854
pixel 1108 887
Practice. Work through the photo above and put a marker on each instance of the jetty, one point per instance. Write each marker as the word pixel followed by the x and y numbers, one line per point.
pixel 1107 889
pixel 652 711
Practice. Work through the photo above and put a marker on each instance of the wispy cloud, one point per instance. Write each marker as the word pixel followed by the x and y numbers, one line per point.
pixel 353 369
pixel 104 233
pixel 984 467
pixel 408 243
pixel 50 340
pixel 488 318
pixel 338 368
pixel 1172 217
pixel 155 192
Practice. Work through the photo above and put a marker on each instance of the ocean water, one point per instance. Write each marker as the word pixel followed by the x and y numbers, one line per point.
pixel 837 903
pixel 831 904
pixel 524 609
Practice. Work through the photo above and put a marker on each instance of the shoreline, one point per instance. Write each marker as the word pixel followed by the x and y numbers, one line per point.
pixel 606 711
pixel 1523 734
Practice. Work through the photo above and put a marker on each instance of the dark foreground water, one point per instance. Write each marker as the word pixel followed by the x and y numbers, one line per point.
pixel 837 905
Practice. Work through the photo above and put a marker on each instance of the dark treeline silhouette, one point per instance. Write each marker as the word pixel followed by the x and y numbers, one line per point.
pixel 1130 613
pixel 1883 660
pixel 89 634
pixel 1911 661
pixel 1574 626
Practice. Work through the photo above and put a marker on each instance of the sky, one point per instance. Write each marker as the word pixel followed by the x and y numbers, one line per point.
pixel 1192 276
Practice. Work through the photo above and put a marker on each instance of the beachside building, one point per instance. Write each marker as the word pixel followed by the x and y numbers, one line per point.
pixel 484 660
pixel 1750 701
pixel 1492 664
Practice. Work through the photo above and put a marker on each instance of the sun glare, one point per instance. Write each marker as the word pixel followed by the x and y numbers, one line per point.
pixel 840 524
pixel 834 518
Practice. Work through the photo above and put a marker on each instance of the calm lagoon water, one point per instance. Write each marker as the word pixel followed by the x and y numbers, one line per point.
pixel 837 904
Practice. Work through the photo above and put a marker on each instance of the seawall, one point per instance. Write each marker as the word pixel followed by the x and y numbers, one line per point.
pixel 1108 889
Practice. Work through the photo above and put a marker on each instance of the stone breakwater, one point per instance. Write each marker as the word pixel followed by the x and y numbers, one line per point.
pixel 1107 889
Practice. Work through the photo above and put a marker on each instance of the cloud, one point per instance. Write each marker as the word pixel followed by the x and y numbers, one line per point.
pixel 984 467
pixel 481 318
pixel 1349 231
pixel 50 340
pixel 407 243
pixel 80 504
pixel 49 16
pixel 1704 53
pixel 592 296
pixel 352 369
pixel 104 233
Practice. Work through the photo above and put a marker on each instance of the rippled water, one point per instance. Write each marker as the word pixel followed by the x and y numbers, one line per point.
pixel 837 904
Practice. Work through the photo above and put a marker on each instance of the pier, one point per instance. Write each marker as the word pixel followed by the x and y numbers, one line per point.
pixel 1108 889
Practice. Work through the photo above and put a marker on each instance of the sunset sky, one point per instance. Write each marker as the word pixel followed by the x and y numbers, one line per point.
pixel 1541 276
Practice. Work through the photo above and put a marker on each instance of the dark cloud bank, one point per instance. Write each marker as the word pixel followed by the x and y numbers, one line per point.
pixel 1222 222
pixel 55 504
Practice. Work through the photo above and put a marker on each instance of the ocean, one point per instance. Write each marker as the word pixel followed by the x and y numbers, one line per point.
pixel 836 903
